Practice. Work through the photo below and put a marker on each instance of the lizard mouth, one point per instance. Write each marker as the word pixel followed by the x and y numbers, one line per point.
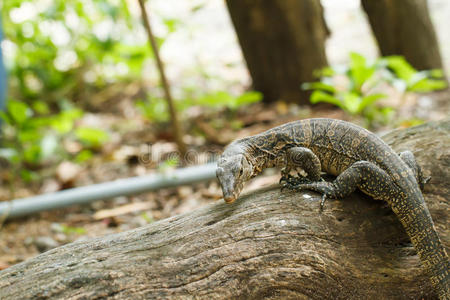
pixel 229 199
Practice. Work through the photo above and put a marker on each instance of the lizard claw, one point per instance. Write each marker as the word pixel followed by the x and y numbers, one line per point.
pixel 322 203
pixel 287 181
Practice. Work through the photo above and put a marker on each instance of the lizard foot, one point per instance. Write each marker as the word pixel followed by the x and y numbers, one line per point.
pixel 293 183
pixel 322 187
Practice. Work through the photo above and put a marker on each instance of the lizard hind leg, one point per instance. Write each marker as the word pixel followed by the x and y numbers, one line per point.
pixel 364 175
pixel 300 158
pixel 410 160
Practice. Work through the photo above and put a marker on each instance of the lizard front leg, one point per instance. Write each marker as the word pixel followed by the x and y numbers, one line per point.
pixel 410 160
pixel 300 158
pixel 366 176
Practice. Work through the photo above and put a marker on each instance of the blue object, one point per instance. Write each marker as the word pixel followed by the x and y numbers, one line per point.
pixel 106 190
pixel 2 74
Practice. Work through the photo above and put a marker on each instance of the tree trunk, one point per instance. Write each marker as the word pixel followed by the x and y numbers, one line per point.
pixel 403 27
pixel 268 244
pixel 282 42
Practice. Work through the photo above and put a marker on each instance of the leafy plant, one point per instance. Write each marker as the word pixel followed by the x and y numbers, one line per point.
pixel 361 76
pixel 353 98
pixel 168 164
pixel 406 78
pixel 56 47
pixel 91 137
pixel 32 137
pixel 147 217
pixel 224 99
pixel 155 109
pixel 68 229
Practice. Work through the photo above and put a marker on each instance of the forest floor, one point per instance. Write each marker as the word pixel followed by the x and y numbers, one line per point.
pixel 206 131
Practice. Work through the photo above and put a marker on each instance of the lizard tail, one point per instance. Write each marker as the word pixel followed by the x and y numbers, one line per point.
pixel 416 219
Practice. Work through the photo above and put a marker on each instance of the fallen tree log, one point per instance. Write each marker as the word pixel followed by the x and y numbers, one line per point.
pixel 268 244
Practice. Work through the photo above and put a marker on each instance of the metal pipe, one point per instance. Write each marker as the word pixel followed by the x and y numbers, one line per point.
pixel 100 191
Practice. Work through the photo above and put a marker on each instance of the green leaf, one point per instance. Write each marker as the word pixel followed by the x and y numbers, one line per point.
pixel 400 67
pixel 236 124
pixel 62 125
pixel 83 156
pixel 4 117
pixel 324 72
pixel 224 99
pixel 28 175
pixel 217 99
pixel 65 120
pixel 319 96
pixel 30 135
pixel 436 73
pixel 248 98
pixel 18 111
pixel 172 24
pixel 32 154
pixel 351 102
pixel 318 86
pixel 154 109
pixel 359 71
pixel 168 164
pixel 420 82
pixel 148 218
pixel 369 100
pixel 428 85
pixel 91 137
pixel 70 229
pixel 40 107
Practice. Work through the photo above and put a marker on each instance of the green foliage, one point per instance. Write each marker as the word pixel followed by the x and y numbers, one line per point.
pixel 361 76
pixel 147 217
pixel 27 137
pixel 83 156
pixel 352 98
pixel 221 99
pixel 58 53
pixel 169 163
pixel 32 137
pixel 91 137
pixel 58 46
pixel 359 72
pixel 411 80
pixel 68 229
pixel 155 109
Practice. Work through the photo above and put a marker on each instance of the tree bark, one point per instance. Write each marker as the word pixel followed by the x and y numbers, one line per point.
pixel 282 42
pixel 404 27
pixel 268 244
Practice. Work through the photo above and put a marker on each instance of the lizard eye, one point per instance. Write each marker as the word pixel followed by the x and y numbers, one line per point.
pixel 241 172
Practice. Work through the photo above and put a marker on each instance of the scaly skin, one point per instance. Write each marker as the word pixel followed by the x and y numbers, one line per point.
pixel 359 159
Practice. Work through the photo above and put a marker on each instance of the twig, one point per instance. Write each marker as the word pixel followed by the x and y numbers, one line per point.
pixel 178 135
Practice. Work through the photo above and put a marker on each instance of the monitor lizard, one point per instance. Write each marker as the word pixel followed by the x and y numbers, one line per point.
pixel 359 159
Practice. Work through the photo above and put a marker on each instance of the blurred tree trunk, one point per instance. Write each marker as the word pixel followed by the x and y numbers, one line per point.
pixel 282 42
pixel 403 27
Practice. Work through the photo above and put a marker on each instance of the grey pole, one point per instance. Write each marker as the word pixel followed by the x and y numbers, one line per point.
pixel 120 187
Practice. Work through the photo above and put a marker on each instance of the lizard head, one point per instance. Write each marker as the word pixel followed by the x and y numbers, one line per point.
pixel 233 172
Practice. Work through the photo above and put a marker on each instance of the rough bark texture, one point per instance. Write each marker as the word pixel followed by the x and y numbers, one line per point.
pixel 403 27
pixel 269 244
pixel 282 42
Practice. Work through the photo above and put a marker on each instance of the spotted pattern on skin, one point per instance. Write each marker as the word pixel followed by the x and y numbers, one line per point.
pixel 356 142
pixel 360 160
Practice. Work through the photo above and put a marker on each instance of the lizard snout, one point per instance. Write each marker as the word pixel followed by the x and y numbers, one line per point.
pixel 229 199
